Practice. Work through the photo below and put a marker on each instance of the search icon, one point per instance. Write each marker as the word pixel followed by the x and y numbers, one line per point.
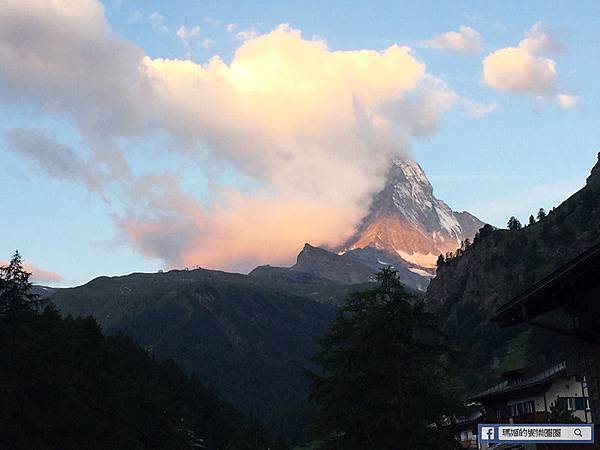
pixel 577 432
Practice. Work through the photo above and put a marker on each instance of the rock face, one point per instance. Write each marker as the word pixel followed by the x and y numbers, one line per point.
pixel 328 265
pixel 408 225
pixel 354 267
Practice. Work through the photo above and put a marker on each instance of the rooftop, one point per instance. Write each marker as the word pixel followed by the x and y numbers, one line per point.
pixel 550 292
pixel 526 382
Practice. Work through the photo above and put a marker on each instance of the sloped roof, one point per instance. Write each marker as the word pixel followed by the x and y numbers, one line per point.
pixel 534 380
pixel 549 293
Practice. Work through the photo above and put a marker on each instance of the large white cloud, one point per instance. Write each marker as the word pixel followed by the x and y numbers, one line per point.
pixel 515 69
pixel 314 128
pixel 526 68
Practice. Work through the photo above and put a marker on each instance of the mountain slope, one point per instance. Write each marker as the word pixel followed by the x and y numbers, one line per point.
pixel 338 273
pixel 499 265
pixel 325 264
pixel 246 337
pixel 409 224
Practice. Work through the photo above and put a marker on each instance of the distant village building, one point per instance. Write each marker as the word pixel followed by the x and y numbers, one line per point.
pixel 526 396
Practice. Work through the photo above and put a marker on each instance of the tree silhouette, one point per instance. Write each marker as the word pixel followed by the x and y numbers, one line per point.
pixel 560 414
pixel 384 383
pixel 541 215
pixel 16 298
pixel 440 261
pixel 514 224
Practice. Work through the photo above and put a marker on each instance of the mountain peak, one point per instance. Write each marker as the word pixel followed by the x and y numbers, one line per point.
pixel 407 221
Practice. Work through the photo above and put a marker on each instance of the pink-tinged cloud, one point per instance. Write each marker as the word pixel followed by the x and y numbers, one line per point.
pixel 539 40
pixel 466 39
pixel 514 69
pixel 39 275
pixel 237 232
pixel 314 128
pixel 526 68
pixel 567 101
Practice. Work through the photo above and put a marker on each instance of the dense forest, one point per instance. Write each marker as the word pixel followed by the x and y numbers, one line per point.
pixel 65 385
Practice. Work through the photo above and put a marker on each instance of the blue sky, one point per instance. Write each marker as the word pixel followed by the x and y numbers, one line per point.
pixel 525 152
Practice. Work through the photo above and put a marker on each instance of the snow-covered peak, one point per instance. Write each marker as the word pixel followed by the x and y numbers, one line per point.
pixel 412 195
pixel 412 171
pixel 406 219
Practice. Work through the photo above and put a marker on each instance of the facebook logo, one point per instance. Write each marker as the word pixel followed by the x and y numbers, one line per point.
pixel 487 434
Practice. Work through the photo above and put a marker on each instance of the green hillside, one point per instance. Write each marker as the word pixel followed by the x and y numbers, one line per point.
pixel 249 338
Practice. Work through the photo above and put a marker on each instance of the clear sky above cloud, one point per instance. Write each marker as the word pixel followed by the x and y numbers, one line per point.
pixel 146 135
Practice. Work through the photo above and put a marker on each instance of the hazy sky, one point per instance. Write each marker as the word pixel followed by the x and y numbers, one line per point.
pixel 140 135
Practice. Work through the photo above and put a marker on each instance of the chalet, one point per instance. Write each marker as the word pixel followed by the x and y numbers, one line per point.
pixel 527 395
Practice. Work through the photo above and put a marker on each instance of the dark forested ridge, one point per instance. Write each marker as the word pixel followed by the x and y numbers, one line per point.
pixel 248 337
pixel 500 264
pixel 64 385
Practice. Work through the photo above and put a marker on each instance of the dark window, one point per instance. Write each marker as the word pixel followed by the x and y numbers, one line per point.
pixel 518 409
pixel 572 403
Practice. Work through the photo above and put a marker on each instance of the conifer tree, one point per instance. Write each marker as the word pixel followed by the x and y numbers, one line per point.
pixel 384 383
pixel 514 224
pixel 16 298
pixel 541 215
pixel 531 220
pixel 440 261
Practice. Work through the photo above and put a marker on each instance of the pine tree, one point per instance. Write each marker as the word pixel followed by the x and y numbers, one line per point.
pixel 16 298
pixel 541 215
pixel 514 224
pixel 384 384
pixel 465 244
pixel 560 414
pixel 440 261
pixel 531 220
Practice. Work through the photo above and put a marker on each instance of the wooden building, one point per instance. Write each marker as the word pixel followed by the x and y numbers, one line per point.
pixel 527 395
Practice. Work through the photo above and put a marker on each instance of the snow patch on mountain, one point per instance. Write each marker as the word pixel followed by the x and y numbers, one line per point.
pixel 423 260
pixel 421 272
